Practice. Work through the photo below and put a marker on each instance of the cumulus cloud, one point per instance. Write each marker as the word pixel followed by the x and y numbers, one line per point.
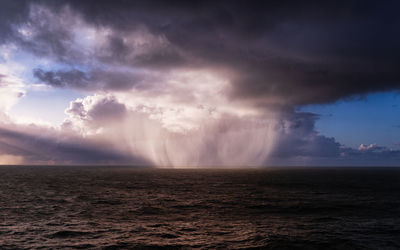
pixel 93 113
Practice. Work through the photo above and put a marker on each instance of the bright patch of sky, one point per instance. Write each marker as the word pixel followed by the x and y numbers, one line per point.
pixel 41 103
pixel 44 106
pixel 369 120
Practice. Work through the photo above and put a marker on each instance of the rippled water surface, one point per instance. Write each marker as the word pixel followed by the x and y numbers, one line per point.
pixel 126 208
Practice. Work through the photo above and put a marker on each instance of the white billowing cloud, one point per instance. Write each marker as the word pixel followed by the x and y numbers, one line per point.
pixel 181 101
pixel 185 120
pixel 223 141
pixel 90 115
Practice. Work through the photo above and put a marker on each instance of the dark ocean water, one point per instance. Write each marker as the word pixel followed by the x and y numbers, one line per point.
pixel 125 208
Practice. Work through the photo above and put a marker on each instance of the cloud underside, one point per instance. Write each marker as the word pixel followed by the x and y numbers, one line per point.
pixel 310 53
pixel 199 83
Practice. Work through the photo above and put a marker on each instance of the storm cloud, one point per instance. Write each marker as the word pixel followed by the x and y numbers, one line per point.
pixel 309 52
pixel 213 80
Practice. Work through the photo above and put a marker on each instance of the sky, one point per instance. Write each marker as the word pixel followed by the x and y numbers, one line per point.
pixel 200 83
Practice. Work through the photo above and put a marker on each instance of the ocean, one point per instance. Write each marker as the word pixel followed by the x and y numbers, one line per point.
pixel 71 207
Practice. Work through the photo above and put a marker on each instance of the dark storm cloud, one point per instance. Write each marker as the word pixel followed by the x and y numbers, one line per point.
pixel 50 39
pixel 72 78
pixel 93 80
pixel 304 52
pixel 159 56
pixel 11 12
pixel 36 148
pixel 372 156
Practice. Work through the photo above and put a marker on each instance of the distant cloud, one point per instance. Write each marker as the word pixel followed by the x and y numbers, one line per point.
pixel 371 155
pixel 370 147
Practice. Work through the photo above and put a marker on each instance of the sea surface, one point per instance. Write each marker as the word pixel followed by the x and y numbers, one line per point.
pixel 128 208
